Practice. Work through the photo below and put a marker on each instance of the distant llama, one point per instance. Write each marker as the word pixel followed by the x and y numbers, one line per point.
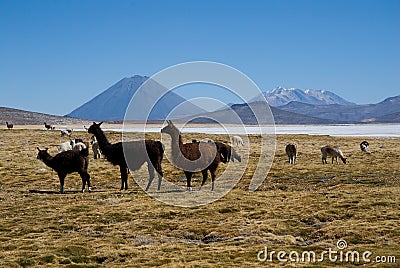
pixel 48 127
pixel 332 152
pixel 364 146
pixel 291 152
pixel 236 140
pixel 9 126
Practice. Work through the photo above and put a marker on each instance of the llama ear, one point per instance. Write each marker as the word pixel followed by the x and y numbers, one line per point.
pixel 169 122
pixel 38 149
pixel 46 149
pixel 100 123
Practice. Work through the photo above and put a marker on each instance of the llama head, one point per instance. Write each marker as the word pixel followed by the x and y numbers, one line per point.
pixel 344 160
pixel 42 153
pixel 94 127
pixel 170 129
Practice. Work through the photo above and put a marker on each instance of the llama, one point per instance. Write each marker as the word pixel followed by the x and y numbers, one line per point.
pixel 67 162
pixel 364 146
pixel 291 152
pixel 48 127
pixel 79 146
pixel 65 146
pixel 332 152
pixel 227 153
pixel 236 140
pixel 95 148
pixel 9 126
pixel 66 132
pixel 184 153
pixel 149 151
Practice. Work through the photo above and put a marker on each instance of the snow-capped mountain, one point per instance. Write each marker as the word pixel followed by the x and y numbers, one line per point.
pixel 282 96
pixel 113 102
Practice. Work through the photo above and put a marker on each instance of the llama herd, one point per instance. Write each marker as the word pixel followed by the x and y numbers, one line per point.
pixel 73 156
pixel 197 156
pixel 333 152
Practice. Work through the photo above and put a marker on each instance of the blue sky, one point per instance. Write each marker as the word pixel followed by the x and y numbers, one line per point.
pixel 56 55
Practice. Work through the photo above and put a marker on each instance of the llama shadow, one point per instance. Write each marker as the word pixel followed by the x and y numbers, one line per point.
pixel 65 192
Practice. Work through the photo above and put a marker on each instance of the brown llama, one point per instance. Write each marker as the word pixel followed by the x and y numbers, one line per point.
pixel 149 151
pixel 184 153
pixel 67 162
pixel 291 152
pixel 226 152
pixel 332 152
pixel 9 126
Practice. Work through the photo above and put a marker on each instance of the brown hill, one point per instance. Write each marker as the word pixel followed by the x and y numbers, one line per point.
pixel 21 117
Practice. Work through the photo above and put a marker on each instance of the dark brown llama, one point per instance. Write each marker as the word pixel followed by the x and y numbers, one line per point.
pixel 149 151
pixel 9 126
pixel 226 152
pixel 184 155
pixel 67 162
pixel 291 152
pixel 48 127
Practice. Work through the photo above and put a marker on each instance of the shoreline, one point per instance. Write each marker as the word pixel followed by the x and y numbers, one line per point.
pixel 346 130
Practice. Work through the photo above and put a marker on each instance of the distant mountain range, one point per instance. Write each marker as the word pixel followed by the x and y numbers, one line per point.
pixel 385 111
pixel 113 102
pixel 288 106
pixel 281 96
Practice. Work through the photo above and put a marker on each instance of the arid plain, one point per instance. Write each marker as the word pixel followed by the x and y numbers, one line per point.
pixel 297 208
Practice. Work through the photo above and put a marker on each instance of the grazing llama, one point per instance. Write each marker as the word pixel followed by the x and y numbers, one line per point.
pixel 9 126
pixel 291 152
pixel 227 153
pixel 364 146
pixel 184 153
pixel 332 152
pixel 66 132
pixel 149 151
pixel 236 140
pixel 67 162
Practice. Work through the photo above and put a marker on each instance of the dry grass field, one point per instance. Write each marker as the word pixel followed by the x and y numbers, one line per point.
pixel 293 210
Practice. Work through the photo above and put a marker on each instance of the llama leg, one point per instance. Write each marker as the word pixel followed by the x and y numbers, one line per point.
pixel 205 175
pixel 88 182
pixel 212 178
pixel 150 169
pixel 83 182
pixel 124 177
pixel 61 177
pixel 189 180
pixel 85 179
pixel 160 176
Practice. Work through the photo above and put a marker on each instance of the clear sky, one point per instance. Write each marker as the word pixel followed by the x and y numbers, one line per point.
pixel 56 55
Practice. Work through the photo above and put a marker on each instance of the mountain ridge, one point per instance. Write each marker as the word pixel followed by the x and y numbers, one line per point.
pixel 281 96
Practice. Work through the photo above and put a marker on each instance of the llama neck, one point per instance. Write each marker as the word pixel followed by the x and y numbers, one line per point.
pixel 102 139
pixel 48 160
pixel 176 145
